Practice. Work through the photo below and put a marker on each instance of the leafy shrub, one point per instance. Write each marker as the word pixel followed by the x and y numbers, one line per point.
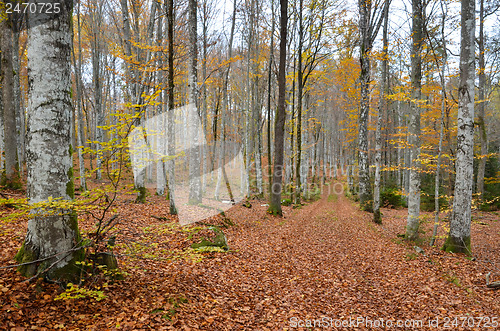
pixel 391 197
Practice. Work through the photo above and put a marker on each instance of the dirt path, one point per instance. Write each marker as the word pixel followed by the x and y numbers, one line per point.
pixel 325 261
pixel 328 260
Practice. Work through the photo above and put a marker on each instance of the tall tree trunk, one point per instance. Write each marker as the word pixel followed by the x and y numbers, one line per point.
pixel 441 129
pixel 96 21
pixel 225 103
pixel 413 222
pixel 300 93
pixel 170 108
pixel 382 107
pixel 195 194
pixel 364 194
pixel 256 110
pixel 79 100
pixel 50 174
pixel 19 109
pixel 481 106
pixel 161 123
pixel 269 84
pixel 459 237
pixel 279 128
pixel 11 175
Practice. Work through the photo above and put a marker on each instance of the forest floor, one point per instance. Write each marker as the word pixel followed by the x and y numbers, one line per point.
pixel 323 263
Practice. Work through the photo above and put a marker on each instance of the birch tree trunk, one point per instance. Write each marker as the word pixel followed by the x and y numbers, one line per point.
pixel 49 153
pixel 225 103
pixel 160 130
pixel 195 194
pixel 459 237
pixel 18 108
pixel 279 129
pixel 382 107
pixel 482 105
pixel 79 100
pixel 441 129
pixel 96 21
pixel 269 84
pixel 366 43
pixel 413 221
pixel 11 176
pixel 300 93
pixel 170 108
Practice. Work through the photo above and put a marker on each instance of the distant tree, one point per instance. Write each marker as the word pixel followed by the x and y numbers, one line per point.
pixel 170 107
pixel 11 176
pixel 52 241
pixel 195 194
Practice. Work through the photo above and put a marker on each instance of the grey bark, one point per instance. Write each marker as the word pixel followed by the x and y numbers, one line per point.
pixel 79 100
pixel 459 237
pixel 97 73
pixel 9 111
pixel 18 104
pixel 279 128
pixel 195 193
pixel 482 105
pixel 368 29
pixel 413 221
pixel 382 107
pixel 49 161
pixel 170 108
pixel 160 129
pixel 269 84
pixel 441 129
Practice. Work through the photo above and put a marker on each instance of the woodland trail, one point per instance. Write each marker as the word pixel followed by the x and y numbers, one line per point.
pixel 324 261
pixel 328 260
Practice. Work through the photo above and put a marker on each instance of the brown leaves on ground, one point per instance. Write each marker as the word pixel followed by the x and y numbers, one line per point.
pixel 324 260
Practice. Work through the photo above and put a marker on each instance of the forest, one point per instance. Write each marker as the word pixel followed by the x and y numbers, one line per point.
pixel 249 165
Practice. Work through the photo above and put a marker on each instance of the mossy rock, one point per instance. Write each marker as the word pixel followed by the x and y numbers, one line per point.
pixel 219 240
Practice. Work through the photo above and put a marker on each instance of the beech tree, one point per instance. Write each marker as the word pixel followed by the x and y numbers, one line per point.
pixel 369 25
pixel 459 236
pixel 52 241
pixel 195 194
pixel 279 128
pixel 11 176
pixel 413 222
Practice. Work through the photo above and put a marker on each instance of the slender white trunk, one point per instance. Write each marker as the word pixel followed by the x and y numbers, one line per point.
pixel 382 107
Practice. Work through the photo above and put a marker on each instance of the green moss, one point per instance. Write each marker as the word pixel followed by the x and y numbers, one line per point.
pixel 24 256
pixel 457 245
pixel 141 196
pixel 366 205
pixel 70 185
pixel 412 234
pixel 218 241
pixel 274 210
pixel 332 198
pixel 377 216
pixel 13 182
pixel 69 273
